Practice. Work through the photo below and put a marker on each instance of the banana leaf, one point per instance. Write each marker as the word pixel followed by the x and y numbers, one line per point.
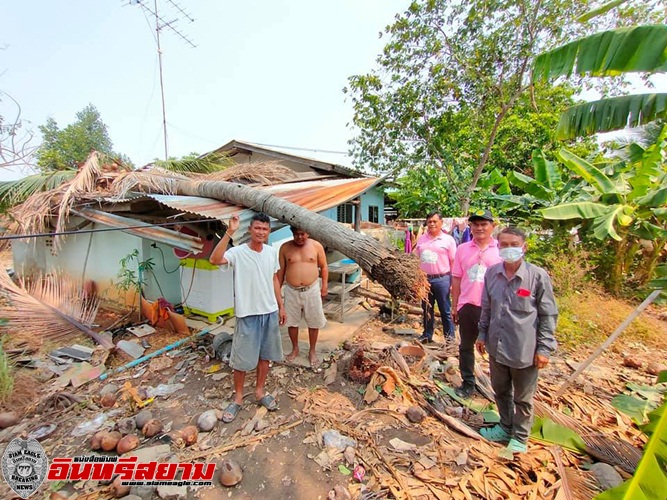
pixel 546 430
pixel 650 479
pixel 614 113
pixel 575 210
pixel 657 198
pixel 662 377
pixel 603 226
pixel 591 174
pixel 545 170
pixel 607 53
pixel 635 408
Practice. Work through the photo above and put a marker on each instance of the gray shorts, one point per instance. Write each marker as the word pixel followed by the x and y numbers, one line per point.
pixel 304 302
pixel 256 337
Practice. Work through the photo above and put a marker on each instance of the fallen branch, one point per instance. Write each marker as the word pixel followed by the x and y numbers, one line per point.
pixel 410 308
pixel 239 443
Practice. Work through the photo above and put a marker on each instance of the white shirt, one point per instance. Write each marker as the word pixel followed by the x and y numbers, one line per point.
pixel 253 279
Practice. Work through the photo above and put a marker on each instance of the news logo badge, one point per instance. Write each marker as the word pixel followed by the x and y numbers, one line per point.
pixel 24 466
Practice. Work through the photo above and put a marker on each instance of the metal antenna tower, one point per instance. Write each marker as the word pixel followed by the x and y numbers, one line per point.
pixel 160 24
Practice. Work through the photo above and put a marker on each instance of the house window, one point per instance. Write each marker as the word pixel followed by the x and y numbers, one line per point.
pixel 373 213
pixel 345 213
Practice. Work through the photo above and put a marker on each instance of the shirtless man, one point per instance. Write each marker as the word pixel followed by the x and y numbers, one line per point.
pixel 299 263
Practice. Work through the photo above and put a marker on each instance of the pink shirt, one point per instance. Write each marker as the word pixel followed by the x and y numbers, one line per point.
pixel 470 265
pixel 436 253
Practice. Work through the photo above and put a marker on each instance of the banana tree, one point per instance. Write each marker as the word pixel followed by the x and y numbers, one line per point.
pixel 623 200
pixel 522 196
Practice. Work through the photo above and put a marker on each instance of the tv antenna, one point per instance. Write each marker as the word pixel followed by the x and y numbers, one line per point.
pixel 168 19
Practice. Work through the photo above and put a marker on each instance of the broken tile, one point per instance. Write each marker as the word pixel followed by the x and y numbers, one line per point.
pixel 133 349
pixel 85 372
pixel 141 331
pixel 80 353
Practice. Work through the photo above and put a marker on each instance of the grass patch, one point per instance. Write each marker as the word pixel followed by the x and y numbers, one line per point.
pixel 587 318
pixel 6 375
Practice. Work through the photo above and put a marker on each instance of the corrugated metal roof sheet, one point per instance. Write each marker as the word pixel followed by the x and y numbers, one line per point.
pixel 148 231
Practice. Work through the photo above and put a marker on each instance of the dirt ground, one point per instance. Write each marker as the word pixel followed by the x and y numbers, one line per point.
pixel 283 456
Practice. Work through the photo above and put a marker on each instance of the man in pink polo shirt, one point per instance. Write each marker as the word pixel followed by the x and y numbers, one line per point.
pixel 436 251
pixel 470 264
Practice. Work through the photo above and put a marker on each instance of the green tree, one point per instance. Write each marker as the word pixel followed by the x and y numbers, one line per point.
pixel 60 154
pixel 68 148
pixel 449 78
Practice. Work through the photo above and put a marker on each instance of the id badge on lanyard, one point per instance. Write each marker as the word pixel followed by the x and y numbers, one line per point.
pixel 476 273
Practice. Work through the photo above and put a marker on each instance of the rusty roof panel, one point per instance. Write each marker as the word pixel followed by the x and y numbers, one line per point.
pixel 136 227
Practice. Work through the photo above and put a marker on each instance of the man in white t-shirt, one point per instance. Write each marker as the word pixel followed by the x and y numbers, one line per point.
pixel 258 306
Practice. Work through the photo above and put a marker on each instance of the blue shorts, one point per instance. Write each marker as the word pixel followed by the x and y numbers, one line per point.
pixel 256 337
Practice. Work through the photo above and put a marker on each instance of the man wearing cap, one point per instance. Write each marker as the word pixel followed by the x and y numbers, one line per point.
pixel 470 264
pixel 436 251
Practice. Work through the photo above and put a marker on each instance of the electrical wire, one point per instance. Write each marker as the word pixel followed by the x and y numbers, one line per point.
pixel 102 230
pixel 164 266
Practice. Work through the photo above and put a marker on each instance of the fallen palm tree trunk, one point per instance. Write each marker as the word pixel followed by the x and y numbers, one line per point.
pixel 399 273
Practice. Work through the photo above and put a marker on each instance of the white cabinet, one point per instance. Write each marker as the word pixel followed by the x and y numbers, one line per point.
pixel 207 290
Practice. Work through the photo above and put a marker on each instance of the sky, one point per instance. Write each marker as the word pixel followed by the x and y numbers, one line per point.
pixel 264 71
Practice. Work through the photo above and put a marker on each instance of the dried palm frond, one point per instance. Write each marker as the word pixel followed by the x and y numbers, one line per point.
pixel 50 307
pixel 263 174
pixel 156 180
pixel 612 451
pixel 604 447
pixel 84 182
pixel 575 484
pixel 34 214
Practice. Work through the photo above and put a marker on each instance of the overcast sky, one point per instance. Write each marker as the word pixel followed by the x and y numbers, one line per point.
pixel 264 71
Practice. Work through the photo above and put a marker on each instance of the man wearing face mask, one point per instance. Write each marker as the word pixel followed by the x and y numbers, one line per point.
pixel 517 328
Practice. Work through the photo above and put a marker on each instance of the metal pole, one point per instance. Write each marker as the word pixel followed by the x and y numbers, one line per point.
pixel 608 342
pixel 159 56
pixel 136 362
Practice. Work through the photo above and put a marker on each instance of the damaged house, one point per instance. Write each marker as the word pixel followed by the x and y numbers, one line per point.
pixel 124 227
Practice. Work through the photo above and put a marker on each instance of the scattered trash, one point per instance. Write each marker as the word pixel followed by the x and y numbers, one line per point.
pixel 222 346
pixel 90 426
pixel 400 445
pixel 42 432
pixel 334 439
pixel 163 390
pixel 76 351
pixel 132 349
pixel 359 473
pixel 142 330
pixel 85 372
